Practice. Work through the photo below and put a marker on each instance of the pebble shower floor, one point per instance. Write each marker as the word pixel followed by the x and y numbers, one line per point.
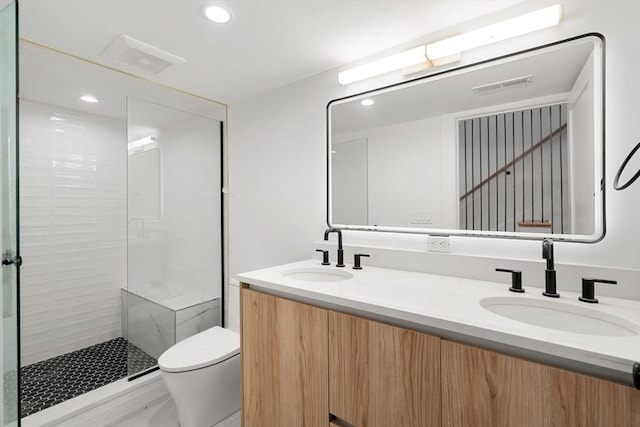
pixel 47 383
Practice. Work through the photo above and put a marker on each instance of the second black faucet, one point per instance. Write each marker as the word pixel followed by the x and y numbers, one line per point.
pixel 550 272
pixel 340 251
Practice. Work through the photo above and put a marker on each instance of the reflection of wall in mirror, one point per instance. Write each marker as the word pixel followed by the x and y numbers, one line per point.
pixel 349 182
pixel 581 119
pixel 404 174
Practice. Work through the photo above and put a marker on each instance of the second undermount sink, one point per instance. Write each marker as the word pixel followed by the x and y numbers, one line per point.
pixel 318 274
pixel 561 316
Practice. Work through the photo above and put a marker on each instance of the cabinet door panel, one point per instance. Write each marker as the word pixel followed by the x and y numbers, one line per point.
pixel 284 362
pixel 381 375
pixel 485 388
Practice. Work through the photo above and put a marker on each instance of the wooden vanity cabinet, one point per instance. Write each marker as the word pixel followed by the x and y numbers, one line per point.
pixel 303 365
pixel 382 375
pixel 284 362
pixel 485 388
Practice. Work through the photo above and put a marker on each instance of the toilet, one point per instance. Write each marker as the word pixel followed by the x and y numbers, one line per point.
pixel 202 374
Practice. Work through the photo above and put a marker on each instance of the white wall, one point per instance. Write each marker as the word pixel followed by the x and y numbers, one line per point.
pixel 277 175
pixel 277 156
pixel 73 229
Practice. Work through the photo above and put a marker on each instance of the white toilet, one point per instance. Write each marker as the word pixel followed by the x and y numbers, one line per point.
pixel 202 374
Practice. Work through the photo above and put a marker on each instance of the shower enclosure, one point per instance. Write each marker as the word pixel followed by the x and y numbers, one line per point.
pixel 120 224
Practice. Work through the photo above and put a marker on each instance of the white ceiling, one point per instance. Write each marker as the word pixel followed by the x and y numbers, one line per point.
pixel 267 44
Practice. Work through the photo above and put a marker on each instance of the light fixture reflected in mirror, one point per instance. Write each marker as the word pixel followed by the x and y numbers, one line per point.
pixel 217 14
pixel 142 144
pixel 88 98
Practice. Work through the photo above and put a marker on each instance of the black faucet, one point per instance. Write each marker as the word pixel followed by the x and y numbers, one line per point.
pixel 356 261
pixel 550 272
pixel 588 293
pixel 340 251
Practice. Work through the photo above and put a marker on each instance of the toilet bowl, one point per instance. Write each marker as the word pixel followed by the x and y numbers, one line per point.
pixel 202 374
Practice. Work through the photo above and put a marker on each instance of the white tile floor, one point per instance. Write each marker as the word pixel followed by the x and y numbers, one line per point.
pixel 162 413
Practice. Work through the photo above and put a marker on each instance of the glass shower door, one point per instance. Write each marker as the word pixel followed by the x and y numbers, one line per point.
pixel 174 240
pixel 8 183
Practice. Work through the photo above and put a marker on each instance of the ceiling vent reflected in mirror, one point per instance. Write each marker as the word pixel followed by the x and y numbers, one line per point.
pixel 140 55
pixel 523 80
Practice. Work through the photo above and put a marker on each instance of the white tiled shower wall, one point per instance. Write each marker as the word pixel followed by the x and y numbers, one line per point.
pixel 73 229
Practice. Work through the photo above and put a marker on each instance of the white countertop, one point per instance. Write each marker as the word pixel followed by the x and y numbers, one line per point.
pixel 451 306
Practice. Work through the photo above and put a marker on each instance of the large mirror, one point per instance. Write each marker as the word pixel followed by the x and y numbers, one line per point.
pixel 509 147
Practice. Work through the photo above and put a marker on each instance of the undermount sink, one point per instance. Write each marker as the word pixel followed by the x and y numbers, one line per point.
pixel 560 316
pixel 319 274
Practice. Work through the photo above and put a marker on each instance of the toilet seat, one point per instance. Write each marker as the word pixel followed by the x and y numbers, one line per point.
pixel 204 349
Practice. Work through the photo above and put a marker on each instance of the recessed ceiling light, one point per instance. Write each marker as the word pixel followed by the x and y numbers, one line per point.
pixel 366 102
pixel 89 98
pixel 217 14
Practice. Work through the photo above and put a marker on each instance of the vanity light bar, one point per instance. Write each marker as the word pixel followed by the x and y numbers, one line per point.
pixel 391 63
pixel 448 50
pixel 513 27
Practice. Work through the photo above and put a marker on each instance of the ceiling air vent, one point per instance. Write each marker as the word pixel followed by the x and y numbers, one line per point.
pixel 503 84
pixel 142 56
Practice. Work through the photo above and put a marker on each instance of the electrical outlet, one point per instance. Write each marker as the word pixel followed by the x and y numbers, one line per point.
pixel 420 217
pixel 438 244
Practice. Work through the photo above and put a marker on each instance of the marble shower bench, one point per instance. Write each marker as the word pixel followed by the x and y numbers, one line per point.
pixel 156 316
